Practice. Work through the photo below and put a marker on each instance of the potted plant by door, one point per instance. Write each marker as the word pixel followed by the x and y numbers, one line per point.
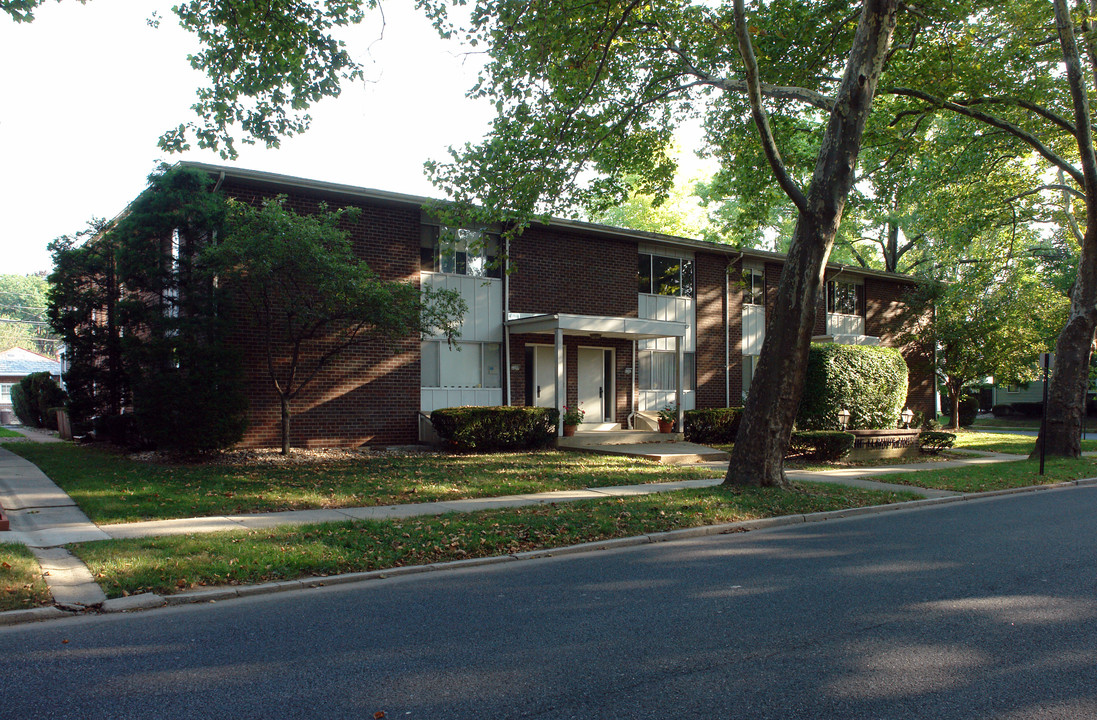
pixel 573 416
pixel 667 417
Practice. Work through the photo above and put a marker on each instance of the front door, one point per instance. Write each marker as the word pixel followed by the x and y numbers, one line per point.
pixel 594 386
pixel 544 376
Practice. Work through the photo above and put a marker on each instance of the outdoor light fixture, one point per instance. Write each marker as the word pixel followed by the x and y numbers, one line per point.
pixel 907 416
pixel 843 418
pixel 628 371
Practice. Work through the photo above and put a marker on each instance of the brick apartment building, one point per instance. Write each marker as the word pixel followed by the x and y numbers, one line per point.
pixel 591 315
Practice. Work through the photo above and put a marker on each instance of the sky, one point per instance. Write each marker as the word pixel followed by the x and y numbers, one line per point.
pixel 88 89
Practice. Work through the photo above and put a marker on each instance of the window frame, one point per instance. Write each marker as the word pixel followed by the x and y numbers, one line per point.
pixel 485 260
pixel 687 275
pixel 838 295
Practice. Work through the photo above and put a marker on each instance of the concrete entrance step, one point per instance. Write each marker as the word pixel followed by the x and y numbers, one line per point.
pixel 671 453
pixel 587 438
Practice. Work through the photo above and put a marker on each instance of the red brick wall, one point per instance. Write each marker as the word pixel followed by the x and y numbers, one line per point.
pixel 735 334
pixel 558 270
pixel 369 394
pixel 711 281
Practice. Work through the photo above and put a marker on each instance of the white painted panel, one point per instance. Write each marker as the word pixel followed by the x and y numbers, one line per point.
pixel 593 388
pixel 754 329
pixel 434 398
pixel 668 307
pixel 544 374
pixel 656 400
pixel 838 324
pixel 484 296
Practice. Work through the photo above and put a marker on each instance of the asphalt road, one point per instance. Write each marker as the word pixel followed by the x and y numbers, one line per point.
pixel 981 609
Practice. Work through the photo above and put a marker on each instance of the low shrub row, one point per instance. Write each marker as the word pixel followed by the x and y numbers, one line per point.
pixel 1019 409
pixel 932 442
pixel 495 428
pixel 822 445
pixel 715 426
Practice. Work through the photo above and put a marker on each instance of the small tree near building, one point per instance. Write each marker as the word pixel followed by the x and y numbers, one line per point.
pixel 990 321
pixel 311 299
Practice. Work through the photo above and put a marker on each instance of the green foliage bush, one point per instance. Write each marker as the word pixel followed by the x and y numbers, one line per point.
pixel 712 426
pixel 1001 411
pixel 496 428
pixel 824 445
pixel 1028 409
pixel 969 409
pixel 868 381
pixel 932 442
pixel 34 398
pixel 196 407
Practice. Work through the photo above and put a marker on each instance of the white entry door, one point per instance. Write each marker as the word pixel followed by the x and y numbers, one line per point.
pixel 594 390
pixel 544 376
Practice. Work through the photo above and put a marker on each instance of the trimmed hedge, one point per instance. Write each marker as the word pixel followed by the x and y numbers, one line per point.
pixel 712 426
pixel 825 445
pixel 1001 411
pixel 932 442
pixel 969 409
pixel 868 381
pixel 496 428
pixel 34 397
pixel 1029 409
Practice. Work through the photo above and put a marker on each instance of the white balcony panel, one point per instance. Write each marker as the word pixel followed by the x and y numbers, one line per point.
pixel 656 400
pixel 483 320
pixel 674 309
pixel 434 398
pixel 838 324
pixel 754 329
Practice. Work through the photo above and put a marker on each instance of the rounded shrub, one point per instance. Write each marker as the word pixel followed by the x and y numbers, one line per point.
pixel 969 408
pixel 484 429
pixel 34 398
pixel 868 381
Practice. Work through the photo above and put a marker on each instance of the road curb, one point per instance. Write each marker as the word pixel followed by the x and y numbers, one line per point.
pixel 147 601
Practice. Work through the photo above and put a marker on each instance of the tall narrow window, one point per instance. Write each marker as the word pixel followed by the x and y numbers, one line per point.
pixel 753 287
pixel 844 298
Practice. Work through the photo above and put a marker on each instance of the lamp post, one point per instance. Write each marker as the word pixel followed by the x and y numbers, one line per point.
pixel 907 415
pixel 843 418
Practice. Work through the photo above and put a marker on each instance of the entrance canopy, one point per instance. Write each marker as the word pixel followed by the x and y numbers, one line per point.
pixel 596 326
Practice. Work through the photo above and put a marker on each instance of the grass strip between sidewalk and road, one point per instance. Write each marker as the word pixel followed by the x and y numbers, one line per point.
pixel 112 488
pixel 997 476
pixel 21 583
pixel 170 564
pixel 5 433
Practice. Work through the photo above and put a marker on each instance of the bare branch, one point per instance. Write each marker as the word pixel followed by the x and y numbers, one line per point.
pixel 1010 128
pixel 761 119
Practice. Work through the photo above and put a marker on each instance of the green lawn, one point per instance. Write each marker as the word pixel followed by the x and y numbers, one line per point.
pixel 997 476
pixel 21 582
pixel 5 433
pixel 112 488
pixel 168 564
pixel 1008 422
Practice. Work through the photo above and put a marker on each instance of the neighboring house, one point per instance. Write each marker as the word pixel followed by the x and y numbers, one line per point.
pixel 618 321
pixel 15 364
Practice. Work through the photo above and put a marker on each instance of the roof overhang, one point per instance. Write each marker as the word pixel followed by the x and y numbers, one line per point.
pixel 598 326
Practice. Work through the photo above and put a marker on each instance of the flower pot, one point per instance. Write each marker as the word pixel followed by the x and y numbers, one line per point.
pixel 569 430
pixel 666 426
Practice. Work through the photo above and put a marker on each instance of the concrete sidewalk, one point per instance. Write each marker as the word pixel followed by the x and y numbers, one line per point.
pixel 43 516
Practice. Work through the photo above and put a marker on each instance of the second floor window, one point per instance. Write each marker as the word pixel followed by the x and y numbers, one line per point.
pixel 753 287
pixel 663 275
pixel 459 251
pixel 844 298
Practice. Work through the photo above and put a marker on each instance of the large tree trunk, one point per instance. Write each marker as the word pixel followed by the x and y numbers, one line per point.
pixel 758 455
pixel 1066 393
pixel 1067 389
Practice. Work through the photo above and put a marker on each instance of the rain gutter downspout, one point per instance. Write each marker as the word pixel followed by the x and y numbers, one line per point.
pixel 727 329
pixel 220 179
pixel 506 316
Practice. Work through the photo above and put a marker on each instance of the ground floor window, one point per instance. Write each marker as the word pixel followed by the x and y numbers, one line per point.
pixel 750 364
pixel 658 370
pixel 463 364
pixel 5 393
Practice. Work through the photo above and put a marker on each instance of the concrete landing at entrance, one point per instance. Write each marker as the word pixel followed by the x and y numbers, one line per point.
pixel 671 453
